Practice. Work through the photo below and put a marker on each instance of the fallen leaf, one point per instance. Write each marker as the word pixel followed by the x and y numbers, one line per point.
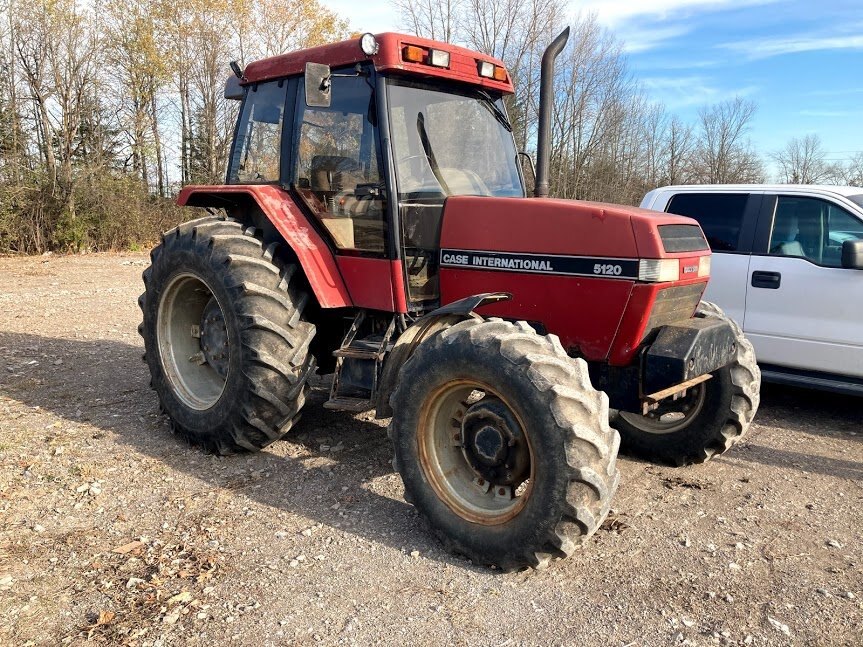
pixel 105 617
pixel 125 548
pixel 185 596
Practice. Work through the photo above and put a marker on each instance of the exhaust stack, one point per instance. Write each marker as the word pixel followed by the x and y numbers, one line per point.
pixel 546 103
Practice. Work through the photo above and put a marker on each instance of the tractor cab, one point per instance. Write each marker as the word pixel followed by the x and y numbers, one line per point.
pixel 370 150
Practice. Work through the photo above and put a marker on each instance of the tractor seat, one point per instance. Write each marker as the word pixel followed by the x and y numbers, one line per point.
pixel 333 173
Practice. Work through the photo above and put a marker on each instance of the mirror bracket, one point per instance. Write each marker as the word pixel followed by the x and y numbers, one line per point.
pixel 318 83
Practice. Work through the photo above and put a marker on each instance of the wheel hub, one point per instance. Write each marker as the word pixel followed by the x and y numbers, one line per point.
pixel 214 337
pixel 493 443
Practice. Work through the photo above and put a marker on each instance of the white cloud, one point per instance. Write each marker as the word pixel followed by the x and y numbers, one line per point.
pixel 687 91
pixel 830 114
pixel 637 40
pixel 761 48
pixel 612 13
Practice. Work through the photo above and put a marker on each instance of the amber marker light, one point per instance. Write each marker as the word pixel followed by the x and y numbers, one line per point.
pixel 413 54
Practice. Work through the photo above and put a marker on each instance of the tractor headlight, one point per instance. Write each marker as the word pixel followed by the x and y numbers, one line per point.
pixel 656 270
pixel 704 266
pixel 439 58
pixel 486 69
pixel 369 44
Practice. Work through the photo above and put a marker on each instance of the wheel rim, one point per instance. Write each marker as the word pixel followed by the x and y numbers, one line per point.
pixel 671 415
pixel 475 453
pixel 193 341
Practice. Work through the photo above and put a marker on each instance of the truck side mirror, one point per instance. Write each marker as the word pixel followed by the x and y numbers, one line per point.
pixel 318 85
pixel 852 254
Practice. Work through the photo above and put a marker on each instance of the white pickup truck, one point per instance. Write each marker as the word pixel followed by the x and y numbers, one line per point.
pixel 788 266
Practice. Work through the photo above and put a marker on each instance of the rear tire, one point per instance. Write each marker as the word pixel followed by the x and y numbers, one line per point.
pixel 503 444
pixel 224 336
pixel 720 411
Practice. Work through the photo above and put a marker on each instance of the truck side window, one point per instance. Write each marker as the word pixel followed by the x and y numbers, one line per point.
pixel 719 214
pixel 338 165
pixel 812 228
pixel 255 159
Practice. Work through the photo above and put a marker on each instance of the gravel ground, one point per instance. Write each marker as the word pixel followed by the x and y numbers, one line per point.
pixel 114 531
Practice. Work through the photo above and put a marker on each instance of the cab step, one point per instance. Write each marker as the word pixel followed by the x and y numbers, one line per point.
pixel 370 348
pixel 355 405
pixel 358 364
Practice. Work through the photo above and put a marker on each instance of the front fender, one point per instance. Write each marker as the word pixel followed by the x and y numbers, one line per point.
pixel 422 329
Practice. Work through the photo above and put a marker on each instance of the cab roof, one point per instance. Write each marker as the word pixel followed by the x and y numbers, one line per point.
pixel 463 67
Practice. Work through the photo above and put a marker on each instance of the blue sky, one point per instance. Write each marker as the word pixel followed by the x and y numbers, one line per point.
pixel 801 61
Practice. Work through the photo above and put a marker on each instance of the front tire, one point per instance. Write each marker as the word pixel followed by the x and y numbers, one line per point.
pixel 503 444
pixel 224 335
pixel 708 420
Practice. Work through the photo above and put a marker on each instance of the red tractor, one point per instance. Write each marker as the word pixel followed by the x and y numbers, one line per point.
pixel 377 228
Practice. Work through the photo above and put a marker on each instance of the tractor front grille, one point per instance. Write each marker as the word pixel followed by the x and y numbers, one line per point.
pixel 672 305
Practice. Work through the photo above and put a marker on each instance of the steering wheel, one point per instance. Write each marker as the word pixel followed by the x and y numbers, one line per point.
pixel 409 157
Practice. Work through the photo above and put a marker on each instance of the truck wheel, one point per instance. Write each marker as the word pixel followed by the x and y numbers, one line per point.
pixel 503 444
pixel 224 336
pixel 708 420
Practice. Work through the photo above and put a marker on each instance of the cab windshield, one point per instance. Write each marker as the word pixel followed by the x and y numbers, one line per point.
pixel 445 141
pixel 452 142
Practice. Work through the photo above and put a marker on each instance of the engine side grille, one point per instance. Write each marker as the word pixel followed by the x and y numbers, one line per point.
pixel 673 305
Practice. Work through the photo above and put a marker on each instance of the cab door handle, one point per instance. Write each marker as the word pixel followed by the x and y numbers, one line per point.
pixel 769 280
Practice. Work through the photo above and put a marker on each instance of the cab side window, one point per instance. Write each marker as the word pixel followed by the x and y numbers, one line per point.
pixel 338 165
pixel 257 150
pixel 719 214
pixel 812 228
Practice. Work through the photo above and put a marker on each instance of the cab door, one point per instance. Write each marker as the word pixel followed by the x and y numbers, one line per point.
pixel 803 309
pixel 338 177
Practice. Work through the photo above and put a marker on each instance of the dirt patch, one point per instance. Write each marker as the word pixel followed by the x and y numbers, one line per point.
pixel 113 531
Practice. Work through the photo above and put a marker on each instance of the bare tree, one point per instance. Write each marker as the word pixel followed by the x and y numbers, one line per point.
pixel 435 19
pixel 723 154
pixel 802 161
pixel 852 172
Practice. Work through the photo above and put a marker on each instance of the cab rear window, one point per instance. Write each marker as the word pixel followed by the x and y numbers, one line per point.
pixel 719 214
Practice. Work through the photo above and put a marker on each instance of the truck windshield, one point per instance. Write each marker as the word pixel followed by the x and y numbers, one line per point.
pixel 451 142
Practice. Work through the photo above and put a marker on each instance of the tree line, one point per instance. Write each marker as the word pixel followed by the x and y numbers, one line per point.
pixel 107 107
pixel 610 142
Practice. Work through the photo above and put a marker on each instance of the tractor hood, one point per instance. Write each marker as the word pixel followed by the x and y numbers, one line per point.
pixel 600 276
pixel 566 227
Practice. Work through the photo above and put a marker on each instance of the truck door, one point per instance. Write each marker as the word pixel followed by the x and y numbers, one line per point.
pixel 728 221
pixel 803 309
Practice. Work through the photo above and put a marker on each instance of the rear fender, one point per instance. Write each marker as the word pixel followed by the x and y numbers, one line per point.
pixel 417 332
pixel 312 252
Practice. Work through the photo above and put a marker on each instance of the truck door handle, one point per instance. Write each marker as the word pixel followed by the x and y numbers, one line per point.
pixel 769 280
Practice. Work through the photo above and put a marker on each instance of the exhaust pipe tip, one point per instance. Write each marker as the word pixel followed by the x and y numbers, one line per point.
pixel 546 104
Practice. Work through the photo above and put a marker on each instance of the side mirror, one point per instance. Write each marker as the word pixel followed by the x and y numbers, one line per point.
pixel 852 254
pixel 527 161
pixel 318 85
pixel 233 89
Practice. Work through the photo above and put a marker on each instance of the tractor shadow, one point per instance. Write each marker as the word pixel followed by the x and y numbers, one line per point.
pixel 806 412
pixel 331 457
pixel 323 472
